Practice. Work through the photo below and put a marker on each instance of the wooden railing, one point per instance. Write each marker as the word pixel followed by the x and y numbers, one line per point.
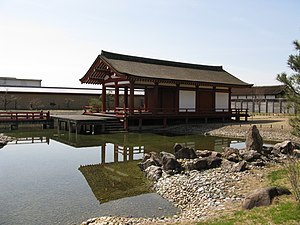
pixel 120 111
pixel 24 116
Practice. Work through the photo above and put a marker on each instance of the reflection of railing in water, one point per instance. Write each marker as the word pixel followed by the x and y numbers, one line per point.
pixel 31 140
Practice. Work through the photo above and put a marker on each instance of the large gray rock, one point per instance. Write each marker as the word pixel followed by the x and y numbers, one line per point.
pixel 228 151
pixel 296 153
pixel 230 166
pixel 178 146
pixel 203 153
pixel 150 159
pixel 231 154
pixel 144 165
pixel 263 197
pixel 185 153
pixel 253 139
pixel 169 162
pixel 285 147
pixel 204 163
pixel 153 173
pixel 250 155
pixel 239 167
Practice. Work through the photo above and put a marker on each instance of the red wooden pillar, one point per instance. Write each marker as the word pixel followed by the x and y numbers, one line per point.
pixel 197 99
pixel 131 97
pixel 177 99
pixel 116 100
pixel 155 96
pixel 214 96
pixel 229 99
pixel 126 98
pixel 103 97
pixel 146 99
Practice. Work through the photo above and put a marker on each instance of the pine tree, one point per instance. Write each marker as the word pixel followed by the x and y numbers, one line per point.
pixel 292 86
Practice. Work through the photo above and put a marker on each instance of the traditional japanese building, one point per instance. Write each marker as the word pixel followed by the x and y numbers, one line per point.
pixel 262 99
pixel 171 90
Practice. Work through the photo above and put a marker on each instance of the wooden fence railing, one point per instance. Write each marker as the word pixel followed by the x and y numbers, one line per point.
pixel 24 116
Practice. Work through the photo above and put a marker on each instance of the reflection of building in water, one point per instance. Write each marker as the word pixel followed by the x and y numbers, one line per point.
pixel 31 140
pixel 117 153
pixel 115 180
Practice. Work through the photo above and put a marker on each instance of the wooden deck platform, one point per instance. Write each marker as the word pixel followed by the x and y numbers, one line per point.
pixel 88 124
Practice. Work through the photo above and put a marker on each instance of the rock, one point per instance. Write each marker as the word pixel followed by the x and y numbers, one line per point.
pixel 185 153
pixel 285 147
pixel 267 150
pixel 178 146
pixel 227 165
pixel 232 154
pixel 150 159
pixel 234 167
pixel 169 162
pixel 239 167
pixel 203 153
pixel 253 139
pixel 144 165
pixel 228 151
pixel 296 153
pixel 198 164
pixel 263 197
pixel 153 173
pixel 204 163
pixel 250 155
pixel 216 154
pixel 258 162
pixel 206 153
pixel 213 162
pixel 233 158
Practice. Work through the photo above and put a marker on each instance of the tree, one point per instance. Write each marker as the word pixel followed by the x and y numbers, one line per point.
pixel 96 104
pixel 6 99
pixel 292 92
pixel 292 86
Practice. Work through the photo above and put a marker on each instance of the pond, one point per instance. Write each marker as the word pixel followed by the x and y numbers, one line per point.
pixel 58 178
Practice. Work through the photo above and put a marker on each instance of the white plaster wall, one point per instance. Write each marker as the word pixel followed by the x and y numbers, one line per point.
pixel 270 97
pixel 187 100
pixel 222 100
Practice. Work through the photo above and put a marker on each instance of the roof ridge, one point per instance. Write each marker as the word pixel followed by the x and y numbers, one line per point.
pixel 116 56
pixel 268 86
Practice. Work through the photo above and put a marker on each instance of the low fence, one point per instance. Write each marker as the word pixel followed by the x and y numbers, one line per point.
pixel 24 116
pixel 279 105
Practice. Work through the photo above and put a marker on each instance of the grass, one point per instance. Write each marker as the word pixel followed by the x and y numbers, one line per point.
pixel 284 209
pixel 278 177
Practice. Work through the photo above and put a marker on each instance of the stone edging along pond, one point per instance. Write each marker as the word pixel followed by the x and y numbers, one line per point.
pixel 206 184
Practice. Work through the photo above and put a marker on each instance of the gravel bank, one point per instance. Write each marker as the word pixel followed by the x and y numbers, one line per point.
pixel 199 195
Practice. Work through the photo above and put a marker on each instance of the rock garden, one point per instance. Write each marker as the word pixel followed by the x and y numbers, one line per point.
pixel 206 184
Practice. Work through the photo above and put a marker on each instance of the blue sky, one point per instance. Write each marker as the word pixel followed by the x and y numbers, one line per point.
pixel 58 40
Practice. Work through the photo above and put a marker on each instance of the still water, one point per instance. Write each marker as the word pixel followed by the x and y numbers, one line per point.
pixel 50 178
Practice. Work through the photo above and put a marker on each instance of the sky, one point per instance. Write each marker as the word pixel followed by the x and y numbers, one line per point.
pixel 58 40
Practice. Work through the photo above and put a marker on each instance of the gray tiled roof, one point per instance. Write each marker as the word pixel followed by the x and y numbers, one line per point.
pixel 168 70
pixel 259 90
